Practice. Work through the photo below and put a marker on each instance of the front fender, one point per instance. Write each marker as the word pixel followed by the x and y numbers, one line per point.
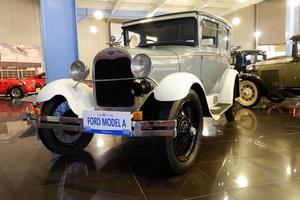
pixel 267 89
pixel 79 98
pixel 175 86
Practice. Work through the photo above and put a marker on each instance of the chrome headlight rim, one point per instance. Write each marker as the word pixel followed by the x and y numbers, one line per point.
pixel 251 68
pixel 141 70
pixel 79 71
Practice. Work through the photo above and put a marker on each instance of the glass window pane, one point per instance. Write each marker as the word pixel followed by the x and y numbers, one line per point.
pixel 209 34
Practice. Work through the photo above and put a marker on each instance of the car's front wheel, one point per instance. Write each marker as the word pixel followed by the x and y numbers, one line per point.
pixel 180 153
pixel 59 141
pixel 249 94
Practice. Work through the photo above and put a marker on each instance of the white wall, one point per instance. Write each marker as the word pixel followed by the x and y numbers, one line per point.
pixel 91 43
pixel 20 22
pixel 243 34
pixel 270 22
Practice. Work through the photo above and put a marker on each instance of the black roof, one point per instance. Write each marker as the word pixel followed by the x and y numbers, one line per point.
pixel 177 13
pixel 295 37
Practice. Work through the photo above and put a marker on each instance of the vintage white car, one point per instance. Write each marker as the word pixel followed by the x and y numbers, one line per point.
pixel 173 71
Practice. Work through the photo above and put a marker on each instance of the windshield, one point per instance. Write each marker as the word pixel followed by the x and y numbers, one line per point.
pixel 167 32
pixel 252 59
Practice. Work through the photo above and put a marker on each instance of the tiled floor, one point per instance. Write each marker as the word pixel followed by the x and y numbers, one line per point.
pixel 257 157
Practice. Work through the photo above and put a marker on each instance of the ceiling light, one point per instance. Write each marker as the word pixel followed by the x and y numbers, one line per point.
pixel 236 21
pixel 93 29
pixel 98 15
pixel 294 3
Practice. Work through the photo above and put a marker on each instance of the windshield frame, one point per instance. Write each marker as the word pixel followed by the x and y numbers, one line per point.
pixel 196 34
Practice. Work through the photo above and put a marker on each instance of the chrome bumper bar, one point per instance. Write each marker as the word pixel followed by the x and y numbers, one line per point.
pixel 165 128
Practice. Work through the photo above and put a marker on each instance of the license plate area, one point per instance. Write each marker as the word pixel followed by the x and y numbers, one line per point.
pixel 107 122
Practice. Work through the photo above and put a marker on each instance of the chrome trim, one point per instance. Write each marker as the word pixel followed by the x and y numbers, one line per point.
pixel 163 128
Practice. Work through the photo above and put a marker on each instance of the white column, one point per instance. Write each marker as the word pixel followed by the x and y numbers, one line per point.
pixel 292 22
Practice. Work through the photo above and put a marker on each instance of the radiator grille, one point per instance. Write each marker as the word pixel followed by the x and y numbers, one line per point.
pixel 114 93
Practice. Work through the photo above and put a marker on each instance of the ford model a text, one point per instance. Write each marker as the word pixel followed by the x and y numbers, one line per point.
pixel 277 78
pixel 173 71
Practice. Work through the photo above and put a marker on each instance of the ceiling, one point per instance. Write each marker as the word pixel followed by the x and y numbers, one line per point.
pixel 114 8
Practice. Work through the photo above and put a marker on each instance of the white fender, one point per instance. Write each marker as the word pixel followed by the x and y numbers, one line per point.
pixel 228 83
pixel 79 98
pixel 175 86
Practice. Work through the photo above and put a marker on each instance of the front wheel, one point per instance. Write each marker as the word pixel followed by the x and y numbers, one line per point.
pixel 59 141
pixel 180 153
pixel 249 94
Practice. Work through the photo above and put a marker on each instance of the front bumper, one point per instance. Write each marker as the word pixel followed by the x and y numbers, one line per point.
pixel 165 128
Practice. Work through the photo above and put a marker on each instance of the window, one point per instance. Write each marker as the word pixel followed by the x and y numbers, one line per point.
pixel 209 34
pixel 167 32
pixel 224 38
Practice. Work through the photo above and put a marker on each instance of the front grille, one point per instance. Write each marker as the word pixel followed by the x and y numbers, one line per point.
pixel 114 93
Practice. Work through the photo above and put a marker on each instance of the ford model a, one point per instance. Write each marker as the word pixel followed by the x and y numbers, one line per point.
pixel 277 78
pixel 172 72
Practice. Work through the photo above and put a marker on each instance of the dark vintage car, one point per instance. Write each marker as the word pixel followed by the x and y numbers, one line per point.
pixel 17 88
pixel 277 78
pixel 241 59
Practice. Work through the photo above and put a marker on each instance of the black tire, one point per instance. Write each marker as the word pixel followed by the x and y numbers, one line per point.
pixel 16 92
pixel 249 100
pixel 275 99
pixel 55 140
pixel 188 113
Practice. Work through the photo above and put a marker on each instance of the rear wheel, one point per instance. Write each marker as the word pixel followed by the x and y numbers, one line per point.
pixel 249 94
pixel 59 141
pixel 180 153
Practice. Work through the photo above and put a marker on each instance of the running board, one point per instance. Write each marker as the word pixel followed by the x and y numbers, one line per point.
pixel 219 109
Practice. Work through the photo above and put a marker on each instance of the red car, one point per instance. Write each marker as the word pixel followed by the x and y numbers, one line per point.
pixel 17 88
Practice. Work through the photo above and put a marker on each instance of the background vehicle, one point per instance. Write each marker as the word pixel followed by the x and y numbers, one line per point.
pixel 243 58
pixel 17 88
pixel 277 78
pixel 176 73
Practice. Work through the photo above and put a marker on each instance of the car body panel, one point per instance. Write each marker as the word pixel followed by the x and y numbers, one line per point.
pixel 79 97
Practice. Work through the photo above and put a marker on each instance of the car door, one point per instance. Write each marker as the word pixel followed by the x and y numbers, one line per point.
pixel 223 43
pixel 292 70
pixel 210 56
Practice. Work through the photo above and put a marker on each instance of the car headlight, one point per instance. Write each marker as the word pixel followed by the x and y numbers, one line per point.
pixel 79 71
pixel 251 68
pixel 141 66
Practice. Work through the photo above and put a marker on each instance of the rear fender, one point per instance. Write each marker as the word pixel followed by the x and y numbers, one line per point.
pixel 229 82
pixel 80 98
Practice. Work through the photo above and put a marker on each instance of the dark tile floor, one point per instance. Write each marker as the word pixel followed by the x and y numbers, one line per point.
pixel 257 157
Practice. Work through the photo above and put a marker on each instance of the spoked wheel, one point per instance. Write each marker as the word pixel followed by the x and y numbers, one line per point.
pixel 180 153
pixel 59 141
pixel 250 94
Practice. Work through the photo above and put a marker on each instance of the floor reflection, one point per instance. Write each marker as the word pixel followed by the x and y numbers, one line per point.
pixel 256 157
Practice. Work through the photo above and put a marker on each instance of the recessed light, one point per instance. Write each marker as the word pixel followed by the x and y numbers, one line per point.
pixel 98 15
pixel 93 29
pixel 236 21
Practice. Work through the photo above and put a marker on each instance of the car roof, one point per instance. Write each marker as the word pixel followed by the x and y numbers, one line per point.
pixel 295 37
pixel 179 13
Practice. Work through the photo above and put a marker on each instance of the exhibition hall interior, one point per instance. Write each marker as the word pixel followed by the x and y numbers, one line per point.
pixel 150 100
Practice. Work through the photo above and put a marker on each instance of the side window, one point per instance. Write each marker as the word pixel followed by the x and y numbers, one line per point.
pixel 224 38
pixel 209 34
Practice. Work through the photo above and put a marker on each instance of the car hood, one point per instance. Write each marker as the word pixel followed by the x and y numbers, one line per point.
pixel 165 59
pixel 276 60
